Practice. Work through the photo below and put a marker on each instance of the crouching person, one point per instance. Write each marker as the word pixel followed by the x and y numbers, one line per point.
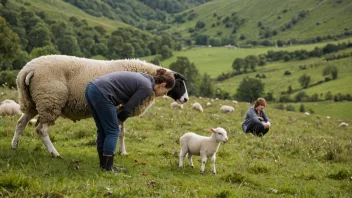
pixel 256 121
pixel 103 94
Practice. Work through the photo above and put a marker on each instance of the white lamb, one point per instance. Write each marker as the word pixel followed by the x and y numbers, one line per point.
pixel 227 109
pixel 197 107
pixel 175 105
pixel 208 104
pixel 193 144
pixel 54 85
pixel 9 107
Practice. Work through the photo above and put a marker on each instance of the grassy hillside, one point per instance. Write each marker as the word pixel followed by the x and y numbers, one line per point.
pixel 57 9
pixel 301 156
pixel 217 60
pixel 321 18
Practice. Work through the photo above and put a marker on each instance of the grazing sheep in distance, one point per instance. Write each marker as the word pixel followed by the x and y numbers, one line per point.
pixel 343 124
pixel 235 102
pixel 197 107
pixel 193 144
pixel 9 107
pixel 54 85
pixel 227 109
pixel 208 104
pixel 175 105
pixel 306 113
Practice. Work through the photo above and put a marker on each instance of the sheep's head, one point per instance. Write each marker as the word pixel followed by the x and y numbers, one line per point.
pixel 220 134
pixel 179 91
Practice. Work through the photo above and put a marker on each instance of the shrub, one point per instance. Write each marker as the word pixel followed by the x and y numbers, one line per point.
pixel 302 108
pixel 287 73
pixel 290 108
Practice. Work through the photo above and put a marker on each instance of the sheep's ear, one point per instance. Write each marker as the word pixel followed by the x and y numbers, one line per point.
pixel 177 75
pixel 212 130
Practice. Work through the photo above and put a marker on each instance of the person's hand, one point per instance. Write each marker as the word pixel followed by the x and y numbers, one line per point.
pixel 267 125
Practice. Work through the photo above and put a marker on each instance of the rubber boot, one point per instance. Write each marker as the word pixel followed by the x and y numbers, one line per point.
pixel 108 163
pixel 101 159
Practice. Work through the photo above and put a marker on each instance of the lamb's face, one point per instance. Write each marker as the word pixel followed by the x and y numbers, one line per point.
pixel 221 134
pixel 179 92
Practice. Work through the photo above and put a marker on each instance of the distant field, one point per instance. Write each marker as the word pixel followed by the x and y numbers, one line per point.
pixel 276 81
pixel 217 60
pixel 58 9
pixel 322 18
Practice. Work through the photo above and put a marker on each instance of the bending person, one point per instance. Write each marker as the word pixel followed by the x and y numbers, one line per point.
pixel 105 93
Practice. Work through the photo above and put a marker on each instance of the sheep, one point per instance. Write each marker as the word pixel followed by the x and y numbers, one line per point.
pixel 307 113
pixel 235 102
pixel 193 144
pixel 343 124
pixel 54 85
pixel 226 109
pixel 197 107
pixel 9 107
pixel 175 105
pixel 208 104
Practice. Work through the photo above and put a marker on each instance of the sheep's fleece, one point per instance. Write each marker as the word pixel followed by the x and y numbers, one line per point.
pixel 54 85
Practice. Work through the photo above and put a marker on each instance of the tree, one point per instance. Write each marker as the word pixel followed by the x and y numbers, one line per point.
pixel 200 25
pixel 237 64
pixel 331 69
pixel 206 88
pixel 68 45
pixel 251 61
pixel 39 36
pixel 41 51
pixel 189 70
pixel 166 52
pixel 8 41
pixel 249 90
pixel 304 80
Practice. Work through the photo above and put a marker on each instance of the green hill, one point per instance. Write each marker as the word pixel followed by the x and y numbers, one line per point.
pixel 272 20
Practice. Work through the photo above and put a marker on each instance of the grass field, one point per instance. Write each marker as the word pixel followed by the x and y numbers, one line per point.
pixel 325 17
pixel 60 10
pixel 217 60
pixel 301 156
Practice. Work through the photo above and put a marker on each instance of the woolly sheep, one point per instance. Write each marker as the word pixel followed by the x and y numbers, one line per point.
pixel 175 105
pixel 193 144
pixel 197 107
pixel 307 113
pixel 208 104
pixel 54 85
pixel 226 109
pixel 343 124
pixel 9 107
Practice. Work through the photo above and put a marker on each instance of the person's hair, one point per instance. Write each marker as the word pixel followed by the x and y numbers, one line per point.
pixel 260 101
pixel 163 76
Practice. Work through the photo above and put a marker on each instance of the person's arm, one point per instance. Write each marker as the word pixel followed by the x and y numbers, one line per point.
pixel 266 119
pixel 133 102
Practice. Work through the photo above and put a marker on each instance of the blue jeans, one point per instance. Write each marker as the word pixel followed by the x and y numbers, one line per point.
pixel 255 129
pixel 105 116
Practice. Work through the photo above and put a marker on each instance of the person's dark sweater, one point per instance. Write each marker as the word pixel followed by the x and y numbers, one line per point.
pixel 127 88
pixel 252 118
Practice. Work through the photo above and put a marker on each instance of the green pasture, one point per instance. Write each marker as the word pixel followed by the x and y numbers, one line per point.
pixel 277 82
pixel 217 60
pixel 60 10
pixel 328 17
pixel 301 156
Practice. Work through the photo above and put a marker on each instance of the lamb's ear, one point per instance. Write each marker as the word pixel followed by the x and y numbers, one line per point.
pixel 212 130
pixel 177 75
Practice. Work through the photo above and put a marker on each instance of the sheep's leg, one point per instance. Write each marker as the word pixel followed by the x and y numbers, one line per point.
pixel 182 157
pixel 212 159
pixel 190 162
pixel 122 149
pixel 204 161
pixel 43 132
pixel 21 125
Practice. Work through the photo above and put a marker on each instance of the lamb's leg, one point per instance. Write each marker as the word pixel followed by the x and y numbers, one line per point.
pixel 182 157
pixel 43 132
pixel 204 161
pixel 190 162
pixel 21 125
pixel 212 159
pixel 122 149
